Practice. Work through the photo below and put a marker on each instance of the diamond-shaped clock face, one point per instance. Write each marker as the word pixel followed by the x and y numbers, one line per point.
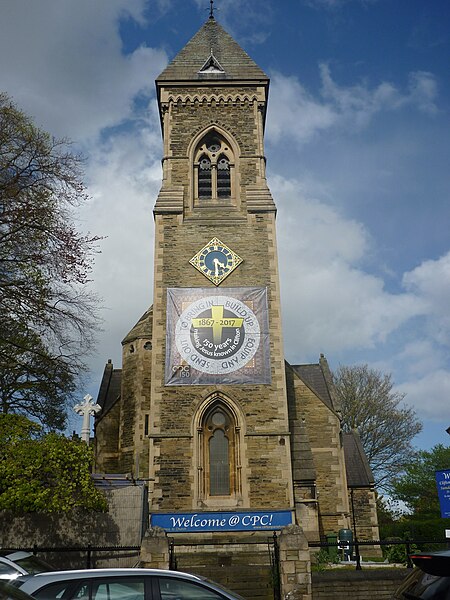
pixel 216 261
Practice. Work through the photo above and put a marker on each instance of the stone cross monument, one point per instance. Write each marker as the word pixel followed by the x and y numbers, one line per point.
pixel 86 408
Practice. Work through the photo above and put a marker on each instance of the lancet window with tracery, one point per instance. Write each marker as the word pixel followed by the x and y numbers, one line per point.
pixel 218 452
pixel 213 170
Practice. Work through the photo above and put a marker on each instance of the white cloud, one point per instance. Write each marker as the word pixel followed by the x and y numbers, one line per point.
pixel 124 177
pixel 336 4
pixel 430 395
pixel 423 91
pixel 293 112
pixel 329 301
pixel 297 114
pixel 430 281
pixel 71 74
pixel 332 304
pixel 419 358
pixel 357 103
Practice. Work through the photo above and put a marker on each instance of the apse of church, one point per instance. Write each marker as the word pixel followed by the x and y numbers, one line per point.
pixel 205 408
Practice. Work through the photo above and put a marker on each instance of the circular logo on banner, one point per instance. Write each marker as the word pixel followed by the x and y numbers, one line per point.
pixel 217 334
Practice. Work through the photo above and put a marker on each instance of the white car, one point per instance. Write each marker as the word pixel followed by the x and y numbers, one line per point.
pixel 21 563
pixel 122 584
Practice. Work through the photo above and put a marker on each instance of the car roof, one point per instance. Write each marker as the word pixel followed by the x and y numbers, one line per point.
pixel 15 568
pixel 40 578
pixel 32 583
pixel 433 563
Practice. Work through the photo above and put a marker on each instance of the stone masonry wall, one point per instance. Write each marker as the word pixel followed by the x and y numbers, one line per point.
pixel 266 469
pixel 264 406
pixel 135 405
pixel 359 585
pixel 323 429
pixel 107 441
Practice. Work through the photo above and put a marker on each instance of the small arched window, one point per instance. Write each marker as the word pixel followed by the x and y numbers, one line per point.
pixel 213 169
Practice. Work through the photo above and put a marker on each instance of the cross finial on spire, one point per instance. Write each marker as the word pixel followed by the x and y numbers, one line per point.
pixel 212 9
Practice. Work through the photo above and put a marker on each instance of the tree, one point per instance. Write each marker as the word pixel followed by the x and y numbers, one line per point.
pixel 385 425
pixel 417 489
pixel 32 382
pixel 44 473
pixel 47 318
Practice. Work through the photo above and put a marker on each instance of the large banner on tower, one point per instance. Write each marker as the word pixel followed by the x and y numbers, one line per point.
pixel 217 336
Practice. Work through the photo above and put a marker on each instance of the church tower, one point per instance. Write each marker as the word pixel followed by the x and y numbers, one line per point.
pixel 218 425
pixel 231 439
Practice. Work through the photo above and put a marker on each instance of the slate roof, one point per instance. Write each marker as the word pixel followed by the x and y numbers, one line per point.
pixel 212 38
pixel 142 329
pixel 359 473
pixel 109 391
pixel 318 378
pixel 302 459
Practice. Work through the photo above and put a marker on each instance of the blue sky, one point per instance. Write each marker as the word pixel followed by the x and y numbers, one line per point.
pixel 357 142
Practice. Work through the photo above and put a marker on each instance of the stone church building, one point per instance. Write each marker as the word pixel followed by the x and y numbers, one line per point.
pixel 232 439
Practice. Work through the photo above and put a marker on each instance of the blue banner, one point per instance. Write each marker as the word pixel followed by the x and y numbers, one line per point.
pixel 222 521
pixel 443 487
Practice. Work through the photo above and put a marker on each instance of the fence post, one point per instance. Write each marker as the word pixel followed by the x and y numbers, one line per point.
pixel 88 557
pixel 275 566
pixel 408 552
pixel 155 551
pixel 295 564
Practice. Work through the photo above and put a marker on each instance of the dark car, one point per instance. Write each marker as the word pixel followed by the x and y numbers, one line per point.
pixel 122 584
pixel 429 580
pixel 9 592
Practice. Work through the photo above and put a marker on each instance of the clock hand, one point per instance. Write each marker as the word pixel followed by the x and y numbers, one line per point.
pixel 217 264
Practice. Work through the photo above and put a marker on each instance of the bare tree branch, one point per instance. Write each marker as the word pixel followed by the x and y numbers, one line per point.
pixel 48 319
pixel 385 424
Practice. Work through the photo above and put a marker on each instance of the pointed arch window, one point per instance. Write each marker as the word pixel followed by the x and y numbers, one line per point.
pixel 219 436
pixel 213 170
pixel 218 455
pixel 219 464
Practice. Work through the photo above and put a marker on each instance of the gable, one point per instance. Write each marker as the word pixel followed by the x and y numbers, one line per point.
pixel 109 392
pixel 313 376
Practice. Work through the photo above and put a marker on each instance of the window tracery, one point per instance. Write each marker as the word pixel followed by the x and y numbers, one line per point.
pixel 218 455
pixel 213 170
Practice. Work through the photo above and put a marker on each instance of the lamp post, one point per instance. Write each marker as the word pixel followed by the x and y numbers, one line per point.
pixel 358 559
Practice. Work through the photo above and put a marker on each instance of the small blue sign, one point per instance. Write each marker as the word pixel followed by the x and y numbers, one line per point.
pixel 443 487
pixel 222 521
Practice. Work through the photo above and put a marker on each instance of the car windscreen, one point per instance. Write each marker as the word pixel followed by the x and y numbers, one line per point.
pixel 32 564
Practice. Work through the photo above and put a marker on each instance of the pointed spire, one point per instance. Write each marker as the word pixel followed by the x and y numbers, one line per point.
pixel 228 60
